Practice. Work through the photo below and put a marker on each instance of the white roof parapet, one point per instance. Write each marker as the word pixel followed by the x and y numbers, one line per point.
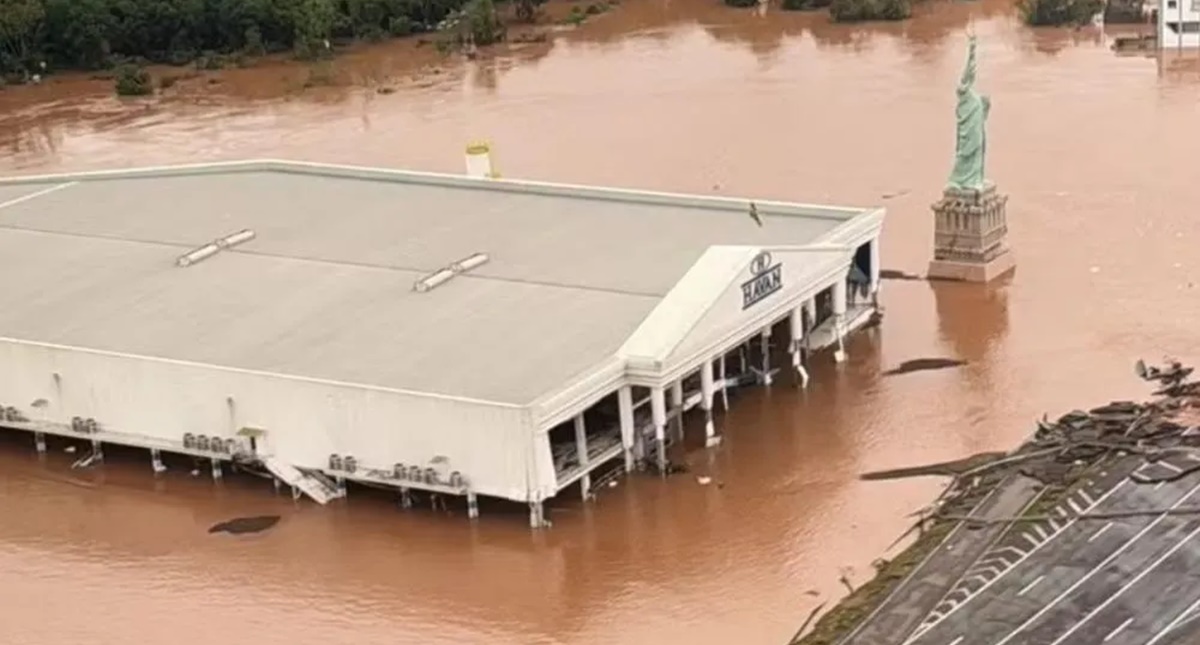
pixel 549 189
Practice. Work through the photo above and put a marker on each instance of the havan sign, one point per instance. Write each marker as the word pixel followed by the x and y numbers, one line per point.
pixel 767 279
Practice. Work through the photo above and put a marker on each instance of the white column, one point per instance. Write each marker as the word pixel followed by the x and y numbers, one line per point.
pixel 658 410
pixel 97 450
pixel 677 407
pixel 724 383
pixel 156 461
pixel 39 442
pixel 874 266
pixel 796 322
pixel 585 482
pixel 706 388
pixel 625 413
pixel 839 313
pixel 216 472
pixel 537 515
pixel 472 505
pixel 765 343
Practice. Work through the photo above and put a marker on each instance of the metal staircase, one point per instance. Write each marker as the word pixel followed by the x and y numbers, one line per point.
pixel 315 485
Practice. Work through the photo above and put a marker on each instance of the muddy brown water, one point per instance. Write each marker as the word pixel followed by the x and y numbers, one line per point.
pixel 1099 154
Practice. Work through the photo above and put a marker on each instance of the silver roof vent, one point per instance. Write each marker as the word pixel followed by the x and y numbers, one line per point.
pixel 444 274
pixel 214 247
pixel 230 241
pixel 197 255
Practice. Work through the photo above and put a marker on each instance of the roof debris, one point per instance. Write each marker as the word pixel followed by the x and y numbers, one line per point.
pixel 1159 438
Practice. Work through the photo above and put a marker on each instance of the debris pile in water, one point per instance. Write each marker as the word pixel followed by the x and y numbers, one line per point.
pixel 1163 432
pixel 242 525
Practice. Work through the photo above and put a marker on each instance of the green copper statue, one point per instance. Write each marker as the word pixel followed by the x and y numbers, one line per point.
pixel 971 144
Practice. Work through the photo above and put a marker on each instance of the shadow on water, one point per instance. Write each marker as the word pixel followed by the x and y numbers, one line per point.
pixel 923 364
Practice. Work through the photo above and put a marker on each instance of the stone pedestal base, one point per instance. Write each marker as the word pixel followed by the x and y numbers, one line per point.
pixel 970 227
pixel 973 271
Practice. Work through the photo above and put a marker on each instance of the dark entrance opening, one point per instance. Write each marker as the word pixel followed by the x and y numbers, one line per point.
pixel 859 287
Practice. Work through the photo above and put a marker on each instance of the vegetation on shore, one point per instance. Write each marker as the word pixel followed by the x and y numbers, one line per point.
pixel 38 37
pixel 1054 13
pixel 844 10
pixel 1035 13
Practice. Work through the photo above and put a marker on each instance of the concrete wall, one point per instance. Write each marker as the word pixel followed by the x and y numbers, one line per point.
pixel 493 446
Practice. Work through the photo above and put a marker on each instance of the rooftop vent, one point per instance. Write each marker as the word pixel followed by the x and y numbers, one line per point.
pixel 433 280
pixel 214 247
pixel 470 262
pixel 230 241
pixel 202 253
pixel 440 276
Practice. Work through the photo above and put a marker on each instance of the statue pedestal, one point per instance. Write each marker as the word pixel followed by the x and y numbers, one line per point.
pixel 970 236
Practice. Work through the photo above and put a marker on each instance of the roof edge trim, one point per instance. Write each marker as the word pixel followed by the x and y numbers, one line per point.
pixel 247 372
pixel 766 207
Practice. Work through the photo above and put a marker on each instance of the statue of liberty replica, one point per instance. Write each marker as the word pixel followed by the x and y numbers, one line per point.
pixel 970 221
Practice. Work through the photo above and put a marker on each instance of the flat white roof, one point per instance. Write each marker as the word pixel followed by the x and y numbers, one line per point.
pixel 324 290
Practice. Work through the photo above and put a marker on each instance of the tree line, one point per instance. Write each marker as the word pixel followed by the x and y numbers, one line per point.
pixel 1034 12
pixel 42 35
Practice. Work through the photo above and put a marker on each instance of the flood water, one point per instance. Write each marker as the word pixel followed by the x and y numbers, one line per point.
pixel 1099 154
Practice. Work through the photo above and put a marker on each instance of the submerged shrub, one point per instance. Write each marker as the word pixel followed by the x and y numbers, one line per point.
pixel 865 10
pixel 804 5
pixel 1054 13
pixel 132 80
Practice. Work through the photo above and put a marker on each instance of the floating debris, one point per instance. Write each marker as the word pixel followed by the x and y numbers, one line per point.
pixel 892 274
pixel 954 468
pixel 243 525
pixel 1062 455
pixel 923 364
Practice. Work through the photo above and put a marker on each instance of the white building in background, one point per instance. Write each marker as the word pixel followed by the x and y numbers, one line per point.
pixel 427 332
pixel 1179 24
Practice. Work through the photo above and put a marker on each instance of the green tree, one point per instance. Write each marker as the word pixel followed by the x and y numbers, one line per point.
pixel 132 80
pixel 867 10
pixel 312 23
pixel 21 24
pixel 804 5
pixel 1039 13
pixel 78 32
pixel 91 34
pixel 483 22
pixel 527 9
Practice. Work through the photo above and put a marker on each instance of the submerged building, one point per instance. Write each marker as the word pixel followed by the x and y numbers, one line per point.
pixel 1179 24
pixel 427 332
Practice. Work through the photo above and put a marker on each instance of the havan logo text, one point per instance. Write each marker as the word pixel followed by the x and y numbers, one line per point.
pixel 768 278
